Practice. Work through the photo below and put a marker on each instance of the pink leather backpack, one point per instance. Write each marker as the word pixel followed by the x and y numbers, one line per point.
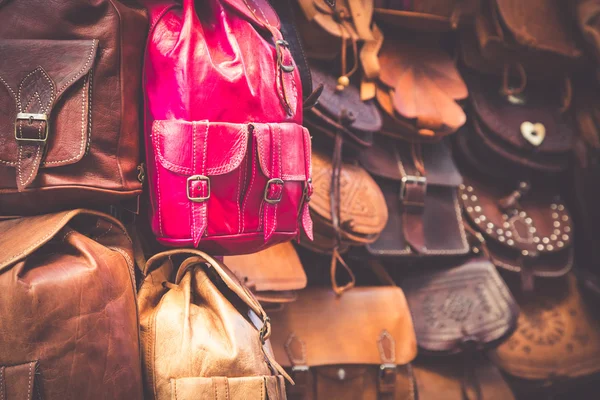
pixel 228 159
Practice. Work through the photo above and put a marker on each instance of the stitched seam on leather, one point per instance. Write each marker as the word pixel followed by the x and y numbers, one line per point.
pixel 104 233
pixel 238 194
pixel 75 77
pixel 463 236
pixel 10 90
pixel 175 387
pixel 249 191
pixel 215 388
pixel 204 207
pixel 169 165
pixel 90 97
pixel 31 364
pixel 66 235
pixel 2 383
pixel 191 204
pixel 265 20
pixel 160 227
pixel 226 389
pixel 45 109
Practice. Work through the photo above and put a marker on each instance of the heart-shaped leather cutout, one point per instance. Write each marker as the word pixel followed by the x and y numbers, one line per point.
pixel 533 133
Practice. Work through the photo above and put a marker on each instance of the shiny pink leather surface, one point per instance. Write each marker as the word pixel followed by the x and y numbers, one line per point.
pixel 222 119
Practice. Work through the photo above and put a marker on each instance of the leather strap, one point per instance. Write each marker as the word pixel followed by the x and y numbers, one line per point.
pixel 199 188
pixel 274 189
pixel 386 382
pixel 18 382
pixel 307 223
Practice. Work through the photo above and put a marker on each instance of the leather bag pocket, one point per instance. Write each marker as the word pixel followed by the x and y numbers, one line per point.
pixel 223 388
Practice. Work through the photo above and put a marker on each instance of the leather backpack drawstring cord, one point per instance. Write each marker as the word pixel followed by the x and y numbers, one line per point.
pixel 344 79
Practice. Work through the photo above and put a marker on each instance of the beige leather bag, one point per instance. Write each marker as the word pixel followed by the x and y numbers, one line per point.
pixel 204 335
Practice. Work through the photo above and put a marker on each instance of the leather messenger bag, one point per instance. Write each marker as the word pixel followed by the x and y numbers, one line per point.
pixel 69 323
pixel 357 346
pixel 204 335
pixel 69 99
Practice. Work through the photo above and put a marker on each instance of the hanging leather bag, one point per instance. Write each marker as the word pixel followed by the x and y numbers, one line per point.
pixel 204 334
pixel 69 100
pixel 69 321
pixel 229 161
pixel 426 15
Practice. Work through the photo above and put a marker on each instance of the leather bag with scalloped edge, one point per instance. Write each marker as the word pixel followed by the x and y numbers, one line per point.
pixel 204 334
pixel 273 275
pixel 69 319
pixel 228 173
pixel 355 346
pixel 419 183
pixel 556 347
pixel 426 15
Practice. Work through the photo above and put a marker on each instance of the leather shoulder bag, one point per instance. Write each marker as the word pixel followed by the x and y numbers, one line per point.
pixel 69 89
pixel 426 15
pixel 204 334
pixel 69 319
pixel 229 161
pixel 355 346
pixel 419 183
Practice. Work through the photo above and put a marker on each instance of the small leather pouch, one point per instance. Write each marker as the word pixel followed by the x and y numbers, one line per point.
pixel 524 135
pixel 524 229
pixel 417 91
pixel 462 309
pixel 273 275
pixel 419 183
pixel 354 346
pixel 426 15
pixel 557 341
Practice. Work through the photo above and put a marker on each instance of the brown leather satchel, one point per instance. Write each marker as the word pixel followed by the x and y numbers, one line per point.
pixel 69 323
pixel 426 15
pixel 522 228
pixel 462 309
pixel 417 91
pixel 557 342
pixel 273 275
pixel 355 346
pixel 419 184
pixel 69 91
pixel 204 334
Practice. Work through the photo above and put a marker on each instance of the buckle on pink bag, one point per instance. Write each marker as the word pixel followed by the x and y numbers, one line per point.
pixel 195 178
pixel 267 197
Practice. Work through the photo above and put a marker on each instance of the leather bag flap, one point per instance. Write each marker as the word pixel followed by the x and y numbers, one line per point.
pixel 34 76
pixel 456 309
pixel 183 147
pixel 257 11
pixel 225 388
pixel 23 236
pixel 366 325
pixel 280 143
pixel 277 268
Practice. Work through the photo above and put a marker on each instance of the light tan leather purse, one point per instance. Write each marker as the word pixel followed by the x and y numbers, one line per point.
pixel 357 346
pixel 204 335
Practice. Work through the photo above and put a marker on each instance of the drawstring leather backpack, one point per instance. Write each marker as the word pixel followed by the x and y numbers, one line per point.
pixel 228 159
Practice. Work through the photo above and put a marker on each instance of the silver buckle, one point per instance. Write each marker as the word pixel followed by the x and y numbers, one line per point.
pixel 274 181
pixel 194 178
pixel 284 68
pixel 411 179
pixel 32 117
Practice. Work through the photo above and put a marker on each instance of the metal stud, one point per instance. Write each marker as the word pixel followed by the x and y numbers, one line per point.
pixel 473 198
pixel 490 225
pixel 483 218
pixel 341 374
pixel 469 189
pixel 556 224
pixel 532 230
pixel 553 206
pixel 504 216
pixel 561 207
pixel 469 209
pixel 525 253
pixel 557 231
pixel 506 225
pixel 477 209
pixel 477 221
pixel 567 229
pixel 522 214
pixel 554 215
pixel 510 242
pixel 508 234
pixel 550 247
pixel 540 247
pixel 553 237
pixel 560 244
pixel 545 240
pixel 565 218
pixel 501 239
pixel 464 197
pixel 489 231
pixel 462 187
pixel 565 237
pixel 528 220
pixel 536 239
pixel 500 231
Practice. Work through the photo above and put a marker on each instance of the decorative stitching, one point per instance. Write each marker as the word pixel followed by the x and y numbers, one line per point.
pixel 45 74
pixel 105 233
pixel 265 22
pixel 238 194
pixel 192 204
pixel 1 383
pixel 290 354
pixel 69 233
pixel 10 90
pixel 90 97
pixel 249 191
pixel 75 77
pixel 386 335
pixel 31 365
pixel 160 227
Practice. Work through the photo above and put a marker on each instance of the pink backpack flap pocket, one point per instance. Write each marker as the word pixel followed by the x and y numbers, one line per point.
pixel 210 191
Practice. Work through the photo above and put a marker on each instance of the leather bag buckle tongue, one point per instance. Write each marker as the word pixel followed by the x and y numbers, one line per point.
pixel 284 68
pixel 412 190
pixel 30 118
pixel 274 191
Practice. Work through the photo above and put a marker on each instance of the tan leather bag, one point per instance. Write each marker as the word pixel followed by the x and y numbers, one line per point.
pixel 204 335
pixel 68 325
pixel 355 346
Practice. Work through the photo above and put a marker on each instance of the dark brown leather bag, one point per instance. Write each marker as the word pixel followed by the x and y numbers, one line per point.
pixel 69 322
pixel 69 100
pixel 204 334
pixel 355 346
pixel 426 15
pixel 587 13
pixel 419 183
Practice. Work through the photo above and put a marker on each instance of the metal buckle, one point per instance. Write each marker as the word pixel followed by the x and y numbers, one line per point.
pixel 278 45
pixel 32 117
pixel 198 178
pixel 306 187
pixel 417 180
pixel 265 331
pixel 274 181
pixel 300 368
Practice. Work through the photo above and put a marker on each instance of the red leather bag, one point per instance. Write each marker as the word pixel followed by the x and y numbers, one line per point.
pixel 228 158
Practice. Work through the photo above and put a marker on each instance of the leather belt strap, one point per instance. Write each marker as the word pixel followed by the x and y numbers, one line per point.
pixel 387 374
pixel 198 185
pixel 18 382
pixel 274 189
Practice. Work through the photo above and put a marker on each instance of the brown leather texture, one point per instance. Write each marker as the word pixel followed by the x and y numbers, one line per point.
pixel 558 335
pixel 424 211
pixel 363 212
pixel 69 322
pixel 82 85
pixel 417 92
pixel 587 14
pixel 200 328
pixel 464 308
pixel 273 275
pixel 353 346
pixel 460 378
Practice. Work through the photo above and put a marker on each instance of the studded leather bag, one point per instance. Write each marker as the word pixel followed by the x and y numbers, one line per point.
pixel 69 319
pixel 229 173
pixel 69 101
pixel 419 183
pixel 355 346
pixel 204 334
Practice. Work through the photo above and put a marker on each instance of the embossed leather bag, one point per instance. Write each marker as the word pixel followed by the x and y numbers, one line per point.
pixel 419 183
pixel 228 161
pixel 69 90
pixel 69 322
pixel 355 346
pixel 204 335
pixel 273 275
pixel 557 343
pixel 426 15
